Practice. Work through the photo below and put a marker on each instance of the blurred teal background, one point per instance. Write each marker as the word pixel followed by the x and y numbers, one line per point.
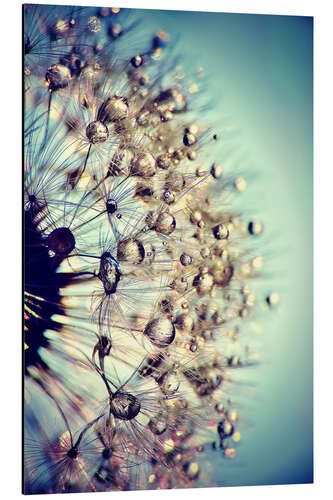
pixel 259 73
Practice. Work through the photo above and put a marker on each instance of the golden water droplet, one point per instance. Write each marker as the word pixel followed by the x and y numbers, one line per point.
pixel 240 184
pixel 216 171
pixel 168 445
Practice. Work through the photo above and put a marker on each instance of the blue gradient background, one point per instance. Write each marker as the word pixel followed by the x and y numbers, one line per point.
pixel 260 74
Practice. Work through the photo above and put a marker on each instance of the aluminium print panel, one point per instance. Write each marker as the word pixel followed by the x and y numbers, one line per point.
pixel 157 352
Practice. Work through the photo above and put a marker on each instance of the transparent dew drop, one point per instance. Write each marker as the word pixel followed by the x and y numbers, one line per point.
pixel 175 181
pixel 61 241
pixel 168 445
pixel 216 171
pixel 185 259
pixel 233 415
pixel 143 118
pixel 158 424
pixel 221 232
pixel 255 228
pixel 144 165
pixel 168 197
pixel 115 30
pixel 177 458
pixel 166 116
pixel 185 322
pixel 130 250
pixel 225 429
pixel 104 11
pixel 192 155
pixel 97 132
pixel 222 277
pixel 189 139
pixel 57 77
pixel 200 171
pixel 73 62
pixel 166 305
pixel 220 408
pixel 240 184
pixel 236 436
pixel 111 206
pixel 170 383
pixel 109 273
pixel 179 101
pixel 250 300
pixel 214 378
pixel 229 452
pixel 192 470
pixel 257 263
pixel 150 220
pixel 196 216
pixel 273 299
pixel 113 109
pixel 193 347
pixel 143 79
pixel 170 100
pixel 160 331
pixel 203 283
pixel 163 161
pixel 137 61
pixel 151 478
pixel 124 406
pixel 192 129
pixel 165 223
